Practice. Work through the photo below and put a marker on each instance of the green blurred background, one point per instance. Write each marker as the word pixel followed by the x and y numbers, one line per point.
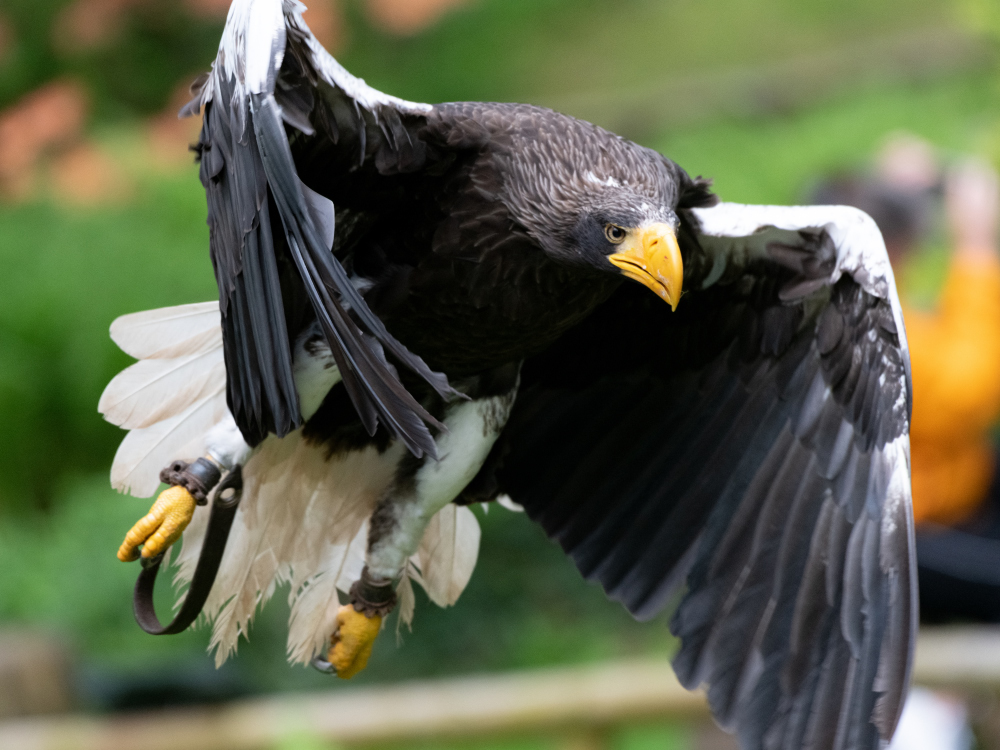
pixel 101 214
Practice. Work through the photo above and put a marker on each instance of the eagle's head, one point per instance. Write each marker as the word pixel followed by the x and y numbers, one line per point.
pixel 639 241
pixel 593 199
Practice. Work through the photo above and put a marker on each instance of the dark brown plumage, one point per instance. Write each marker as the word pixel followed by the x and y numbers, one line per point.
pixel 750 446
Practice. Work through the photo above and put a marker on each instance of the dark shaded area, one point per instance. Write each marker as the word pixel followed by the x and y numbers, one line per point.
pixel 959 568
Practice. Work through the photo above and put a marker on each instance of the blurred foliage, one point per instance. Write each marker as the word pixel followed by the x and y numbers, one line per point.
pixel 526 50
pixel 133 73
pixel 160 46
pixel 489 50
pixel 68 274
pixel 983 16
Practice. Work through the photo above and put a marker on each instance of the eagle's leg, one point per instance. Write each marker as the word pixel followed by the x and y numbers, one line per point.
pixel 422 488
pixel 190 485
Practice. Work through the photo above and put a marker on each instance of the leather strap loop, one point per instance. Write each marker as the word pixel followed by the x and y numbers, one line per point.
pixel 198 478
pixel 224 507
pixel 373 596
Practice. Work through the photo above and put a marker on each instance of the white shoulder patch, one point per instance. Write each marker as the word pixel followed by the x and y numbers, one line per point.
pixel 860 249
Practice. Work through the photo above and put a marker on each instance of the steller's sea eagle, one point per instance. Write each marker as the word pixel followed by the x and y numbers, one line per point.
pixel 422 307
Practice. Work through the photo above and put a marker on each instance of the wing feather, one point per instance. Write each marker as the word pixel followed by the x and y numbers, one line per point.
pixel 757 452
pixel 152 390
pixel 303 522
pixel 271 276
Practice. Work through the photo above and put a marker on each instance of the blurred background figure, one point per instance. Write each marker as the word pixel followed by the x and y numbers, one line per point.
pixel 956 383
pixel 955 355
pixel 955 358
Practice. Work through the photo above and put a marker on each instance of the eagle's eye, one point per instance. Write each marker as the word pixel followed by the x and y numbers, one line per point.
pixel 615 234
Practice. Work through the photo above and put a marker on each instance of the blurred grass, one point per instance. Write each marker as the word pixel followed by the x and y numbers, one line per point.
pixel 527 50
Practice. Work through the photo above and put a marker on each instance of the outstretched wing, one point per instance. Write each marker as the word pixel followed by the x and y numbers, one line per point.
pixel 754 447
pixel 272 237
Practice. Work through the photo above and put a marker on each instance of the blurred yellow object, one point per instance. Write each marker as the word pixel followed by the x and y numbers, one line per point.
pixel 161 527
pixel 352 641
pixel 955 355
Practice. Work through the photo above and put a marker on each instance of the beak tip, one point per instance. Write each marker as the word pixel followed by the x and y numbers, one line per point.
pixel 668 294
pixel 654 260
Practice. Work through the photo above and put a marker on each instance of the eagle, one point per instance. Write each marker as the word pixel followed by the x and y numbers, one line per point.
pixel 423 307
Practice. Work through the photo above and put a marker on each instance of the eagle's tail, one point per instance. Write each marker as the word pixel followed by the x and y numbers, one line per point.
pixel 303 519
pixel 171 397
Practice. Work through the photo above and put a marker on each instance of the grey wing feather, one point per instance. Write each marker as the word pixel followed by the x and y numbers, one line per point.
pixel 248 171
pixel 754 447
pixel 845 454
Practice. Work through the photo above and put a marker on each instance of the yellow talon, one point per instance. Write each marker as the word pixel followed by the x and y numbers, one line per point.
pixel 162 526
pixel 353 639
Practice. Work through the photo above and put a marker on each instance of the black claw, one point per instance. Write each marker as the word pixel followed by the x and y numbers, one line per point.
pixel 322 665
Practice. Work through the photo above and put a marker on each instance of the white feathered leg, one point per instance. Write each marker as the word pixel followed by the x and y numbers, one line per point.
pixel 398 524
pixel 224 444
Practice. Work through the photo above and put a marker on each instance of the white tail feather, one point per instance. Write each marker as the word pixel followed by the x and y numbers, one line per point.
pixel 172 397
pixel 315 603
pixel 250 568
pixel 169 331
pixel 407 604
pixel 156 389
pixel 448 553
pixel 143 452
pixel 304 520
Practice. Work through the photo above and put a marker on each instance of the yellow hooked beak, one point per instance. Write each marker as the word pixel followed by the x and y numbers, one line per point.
pixel 650 255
